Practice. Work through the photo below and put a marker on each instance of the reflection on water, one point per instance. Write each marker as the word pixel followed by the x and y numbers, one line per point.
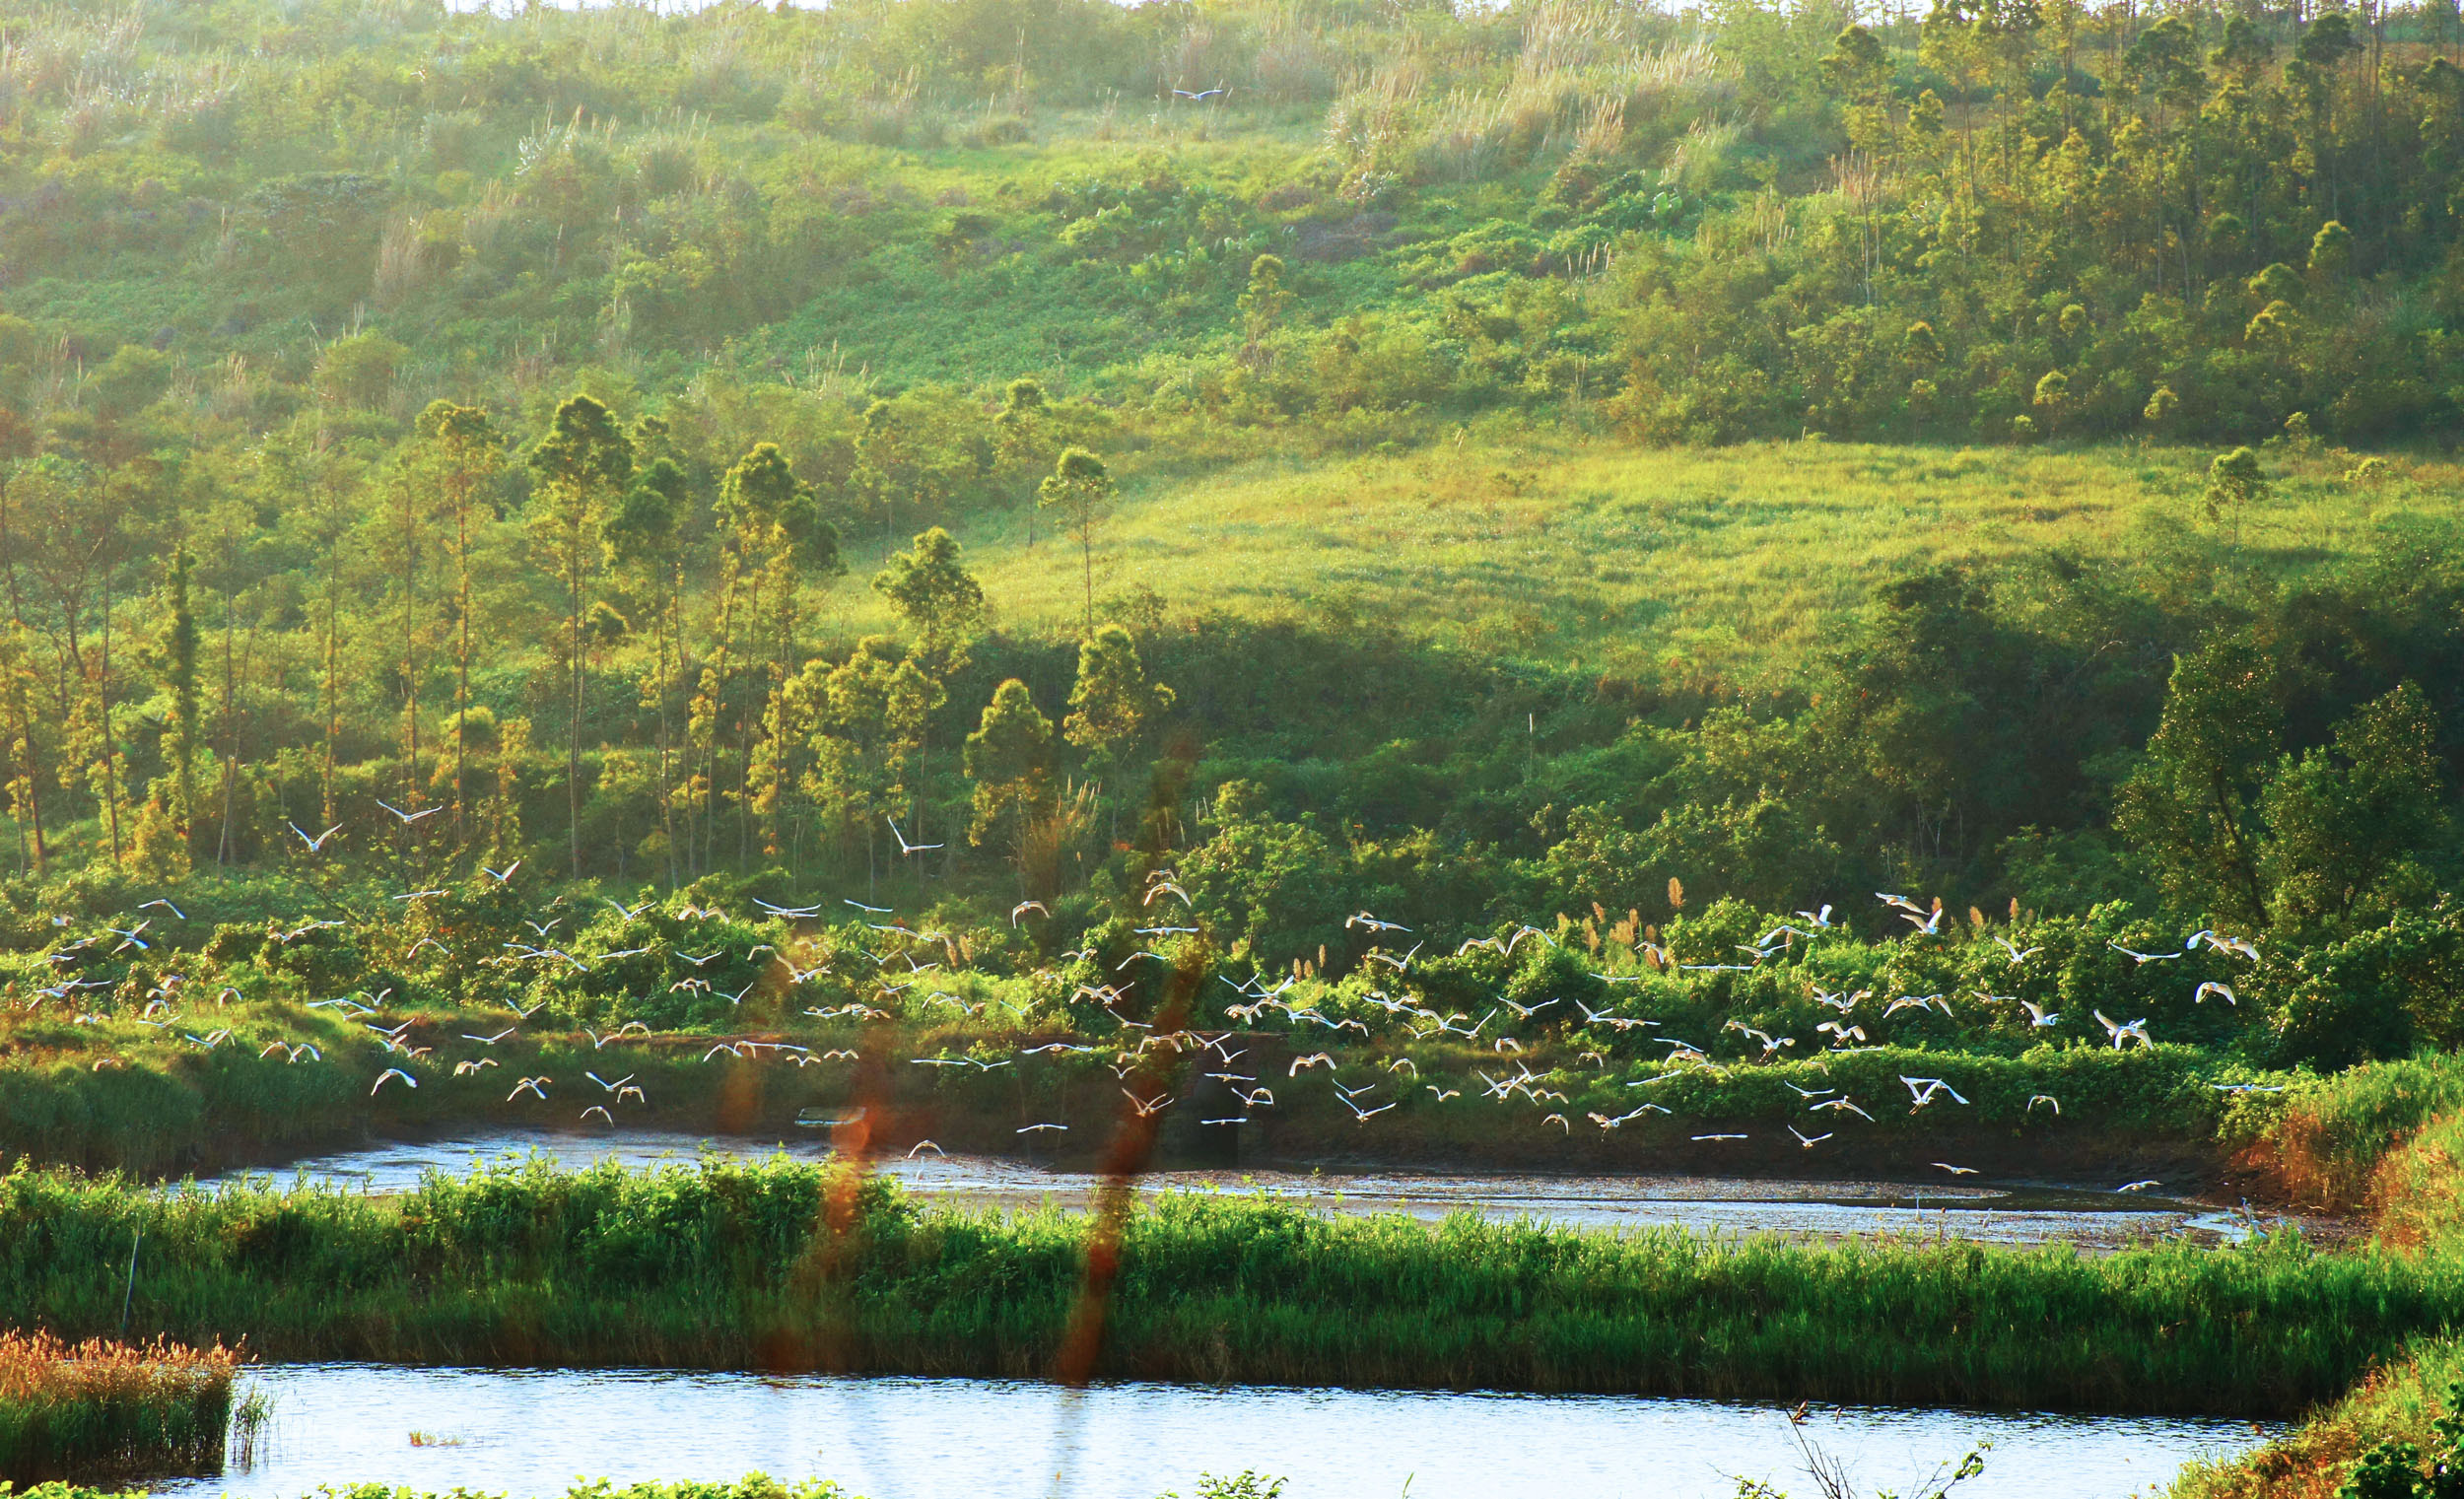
pixel 531 1433
pixel 1823 1210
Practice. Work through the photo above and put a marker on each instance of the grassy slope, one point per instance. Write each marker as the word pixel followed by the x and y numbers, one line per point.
pixel 2418 1194
pixel 1724 562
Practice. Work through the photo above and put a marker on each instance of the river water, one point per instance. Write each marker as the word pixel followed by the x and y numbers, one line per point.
pixel 1804 1209
pixel 533 1433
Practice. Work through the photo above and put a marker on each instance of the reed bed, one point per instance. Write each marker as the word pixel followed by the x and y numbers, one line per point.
pixel 103 1405
pixel 735 1266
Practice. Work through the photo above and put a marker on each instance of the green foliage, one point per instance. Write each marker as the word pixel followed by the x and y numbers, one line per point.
pixel 719 1264
pixel 1081 492
pixel 2399 1470
pixel 1009 758
pixel 2235 481
pixel 2192 808
pixel 2232 826
pixel 2342 820
pixel 2373 993
pixel 935 596
pixel 1112 703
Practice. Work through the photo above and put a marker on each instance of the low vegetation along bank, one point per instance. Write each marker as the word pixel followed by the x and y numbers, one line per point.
pixel 788 1265
pixel 2405 1418
pixel 102 1406
pixel 1620 1045
pixel 119 1096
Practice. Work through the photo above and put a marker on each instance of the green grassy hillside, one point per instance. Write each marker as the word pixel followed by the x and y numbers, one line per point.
pixel 1725 565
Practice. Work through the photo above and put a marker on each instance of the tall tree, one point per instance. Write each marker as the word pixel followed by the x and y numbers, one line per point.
pixel 1080 491
pixel 2191 808
pixel 2341 819
pixel 180 680
pixel 72 534
pixel 578 470
pixel 874 707
pixel 17 675
pixel 1009 758
pixel 645 536
pixel 456 456
pixel 776 535
pixel 1112 703
pixel 236 544
pixel 404 545
pixel 21 758
pixel 939 601
pixel 1020 437
pixel 2235 485
pixel 330 477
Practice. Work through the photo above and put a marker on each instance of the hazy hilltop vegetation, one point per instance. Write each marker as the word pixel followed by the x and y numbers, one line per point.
pixel 1380 443
pixel 1700 225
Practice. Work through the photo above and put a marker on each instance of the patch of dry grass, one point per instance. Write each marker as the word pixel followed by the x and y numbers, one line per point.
pixel 101 1405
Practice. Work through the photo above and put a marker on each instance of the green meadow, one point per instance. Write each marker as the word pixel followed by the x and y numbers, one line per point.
pixel 1719 566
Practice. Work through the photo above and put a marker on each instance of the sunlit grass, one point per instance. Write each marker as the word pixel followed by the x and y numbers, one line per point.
pixel 1723 563
pixel 101 1405
pixel 739 1265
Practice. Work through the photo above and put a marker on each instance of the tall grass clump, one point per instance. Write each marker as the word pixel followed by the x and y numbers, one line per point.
pixel 785 1265
pixel 2326 1142
pixel 2418 1190
pixel 111 1407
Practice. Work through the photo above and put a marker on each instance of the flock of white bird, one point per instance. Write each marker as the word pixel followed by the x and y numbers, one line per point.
pixel 1217 1055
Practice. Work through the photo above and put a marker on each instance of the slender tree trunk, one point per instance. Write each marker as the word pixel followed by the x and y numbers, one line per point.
pixel 747 715
pixel 410 653
pixel 73 666
pixel 573 727
pixel 110 744
pixel 461 655
pixel 223 716
pixel 734 567
pixel 671 631
pixel 8 776
pixel 32 762
pixel 915 803
pixel 779 713
pixel 17 688
pixel 185 714
pixel 333 674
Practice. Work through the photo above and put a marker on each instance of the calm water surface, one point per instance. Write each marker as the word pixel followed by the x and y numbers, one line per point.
pixel 1817 1209
pixel 533 1433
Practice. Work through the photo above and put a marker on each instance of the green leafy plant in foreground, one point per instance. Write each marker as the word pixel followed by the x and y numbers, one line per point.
pixel 2399 1470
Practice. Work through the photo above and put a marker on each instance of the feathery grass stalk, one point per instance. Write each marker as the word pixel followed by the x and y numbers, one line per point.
pixel 104 1406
